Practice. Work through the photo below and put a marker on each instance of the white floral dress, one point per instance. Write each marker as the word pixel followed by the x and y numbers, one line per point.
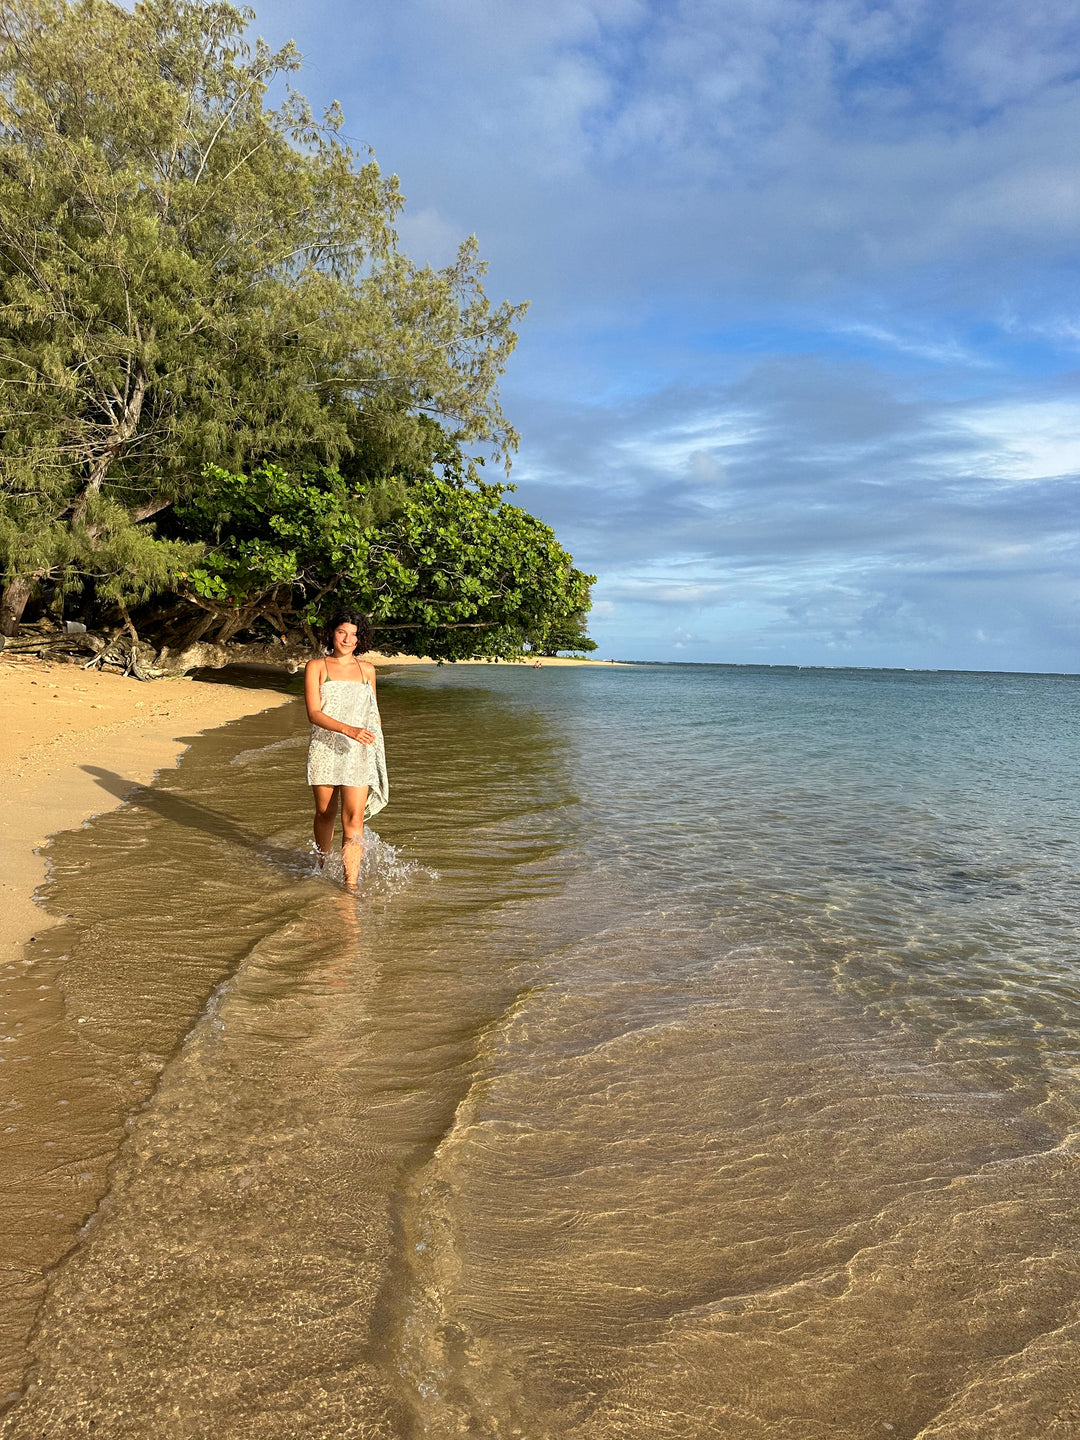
pixel 335 759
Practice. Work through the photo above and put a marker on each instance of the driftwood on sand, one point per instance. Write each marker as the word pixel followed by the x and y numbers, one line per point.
pixel 120 651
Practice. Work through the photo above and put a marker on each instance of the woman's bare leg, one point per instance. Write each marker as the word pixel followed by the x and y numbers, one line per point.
pixel 326 803
pixel 353 805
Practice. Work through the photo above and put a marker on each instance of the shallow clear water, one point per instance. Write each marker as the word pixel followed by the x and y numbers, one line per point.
pixel 700 1059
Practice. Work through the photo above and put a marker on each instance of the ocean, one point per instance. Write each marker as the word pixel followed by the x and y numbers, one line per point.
pixel 699 1059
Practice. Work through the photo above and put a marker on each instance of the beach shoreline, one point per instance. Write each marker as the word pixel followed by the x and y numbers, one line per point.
pixel 60 719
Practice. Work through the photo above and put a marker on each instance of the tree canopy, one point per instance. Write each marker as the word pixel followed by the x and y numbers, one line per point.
pixel 196 287
pixel 443 566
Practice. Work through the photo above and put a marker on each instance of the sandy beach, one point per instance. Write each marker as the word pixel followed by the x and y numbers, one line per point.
pixel 61 718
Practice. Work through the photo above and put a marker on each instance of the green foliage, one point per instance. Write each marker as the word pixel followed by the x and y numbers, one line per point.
pixel 445 567
pixel 189 279
pixel 563 633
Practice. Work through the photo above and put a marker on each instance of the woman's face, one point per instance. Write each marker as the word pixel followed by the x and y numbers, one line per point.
pixel 345 639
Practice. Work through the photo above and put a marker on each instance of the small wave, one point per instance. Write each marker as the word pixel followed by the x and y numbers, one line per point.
pixel 382 870
pixel 292 742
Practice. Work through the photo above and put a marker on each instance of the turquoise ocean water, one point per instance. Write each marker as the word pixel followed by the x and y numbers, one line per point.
pixel 699 1059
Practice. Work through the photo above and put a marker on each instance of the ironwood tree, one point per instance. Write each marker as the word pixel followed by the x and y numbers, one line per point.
pixel 194 284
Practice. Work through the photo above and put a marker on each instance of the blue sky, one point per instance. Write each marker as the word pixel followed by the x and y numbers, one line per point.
pixel 801 377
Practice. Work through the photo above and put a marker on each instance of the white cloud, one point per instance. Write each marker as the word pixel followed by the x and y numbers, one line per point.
pixel 668 592
pixel 692 446
pixel 1028 439
pixel 941 350
pixel 703 468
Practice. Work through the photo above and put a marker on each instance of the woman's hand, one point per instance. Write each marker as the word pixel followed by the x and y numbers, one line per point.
pixel 366 737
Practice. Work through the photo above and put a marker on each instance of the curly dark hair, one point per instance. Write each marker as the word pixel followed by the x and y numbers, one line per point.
pixel 350 617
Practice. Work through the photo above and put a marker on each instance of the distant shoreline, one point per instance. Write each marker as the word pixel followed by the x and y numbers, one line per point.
pixel 829 669
pixel 529 661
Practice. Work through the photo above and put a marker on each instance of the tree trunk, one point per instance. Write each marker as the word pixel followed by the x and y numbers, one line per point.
pixel 13 603
pixel 122 432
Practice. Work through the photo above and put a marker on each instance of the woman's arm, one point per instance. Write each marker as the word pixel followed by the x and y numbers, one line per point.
pixel 313 702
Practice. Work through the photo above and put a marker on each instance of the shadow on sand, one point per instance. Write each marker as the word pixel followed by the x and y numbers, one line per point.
pixel 250 676
pixel 193 816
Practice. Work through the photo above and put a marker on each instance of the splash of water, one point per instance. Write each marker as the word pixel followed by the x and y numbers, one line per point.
pixel 383 871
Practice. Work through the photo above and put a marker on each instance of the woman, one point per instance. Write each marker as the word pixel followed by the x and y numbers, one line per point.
pixel 345 753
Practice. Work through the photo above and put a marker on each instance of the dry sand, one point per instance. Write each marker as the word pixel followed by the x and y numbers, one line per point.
pixel 57 718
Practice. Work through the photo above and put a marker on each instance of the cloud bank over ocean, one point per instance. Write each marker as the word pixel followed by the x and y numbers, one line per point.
pixel 800 379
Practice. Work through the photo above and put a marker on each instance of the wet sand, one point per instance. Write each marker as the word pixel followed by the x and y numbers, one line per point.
pixel 59 719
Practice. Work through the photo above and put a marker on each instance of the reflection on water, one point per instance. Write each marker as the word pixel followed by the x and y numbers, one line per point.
pixel 698 1060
